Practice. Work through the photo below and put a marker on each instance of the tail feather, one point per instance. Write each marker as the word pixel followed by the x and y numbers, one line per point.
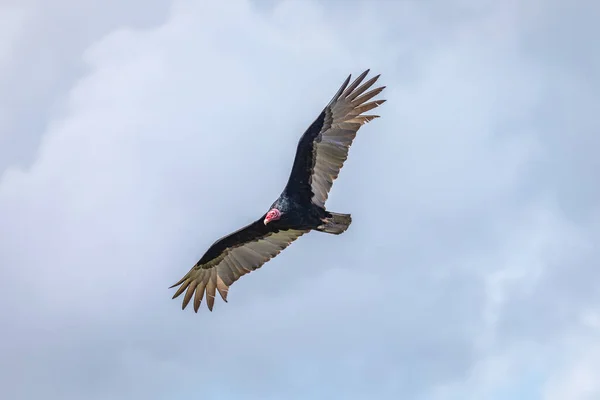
pixel 336 224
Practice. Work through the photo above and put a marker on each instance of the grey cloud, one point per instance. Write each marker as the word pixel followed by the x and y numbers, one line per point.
pixel 176 134
pixel 43 59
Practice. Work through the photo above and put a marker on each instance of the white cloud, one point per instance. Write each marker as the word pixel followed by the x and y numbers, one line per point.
pixel 579 380
pixel 462 256
pixel 40 58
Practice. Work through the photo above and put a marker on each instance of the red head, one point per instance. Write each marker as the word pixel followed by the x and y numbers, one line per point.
pixel 273 215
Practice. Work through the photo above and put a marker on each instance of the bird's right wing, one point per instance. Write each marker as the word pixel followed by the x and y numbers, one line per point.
pixel 231 257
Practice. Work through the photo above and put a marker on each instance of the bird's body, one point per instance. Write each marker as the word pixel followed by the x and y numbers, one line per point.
pixel 300 208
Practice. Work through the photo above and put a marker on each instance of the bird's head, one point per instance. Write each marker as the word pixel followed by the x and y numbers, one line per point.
pixel 273 215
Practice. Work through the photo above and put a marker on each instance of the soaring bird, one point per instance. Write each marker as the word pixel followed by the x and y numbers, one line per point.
pixel 321 153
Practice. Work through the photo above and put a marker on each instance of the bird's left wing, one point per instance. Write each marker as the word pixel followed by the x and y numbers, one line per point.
pixel 323 148
pixel 231 257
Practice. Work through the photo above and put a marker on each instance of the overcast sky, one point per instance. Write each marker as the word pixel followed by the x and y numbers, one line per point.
pixel 133 134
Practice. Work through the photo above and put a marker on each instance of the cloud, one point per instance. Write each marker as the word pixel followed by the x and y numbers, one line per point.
pixel 577 378
pixel 40 59
pixel 469 268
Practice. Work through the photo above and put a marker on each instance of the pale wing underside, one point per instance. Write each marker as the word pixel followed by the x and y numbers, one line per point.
pixel 219 273
pixel 343 117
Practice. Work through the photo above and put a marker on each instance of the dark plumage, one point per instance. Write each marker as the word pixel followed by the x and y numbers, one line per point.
pixel 300 208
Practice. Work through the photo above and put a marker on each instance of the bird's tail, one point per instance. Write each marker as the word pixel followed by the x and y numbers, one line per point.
pixel 336 224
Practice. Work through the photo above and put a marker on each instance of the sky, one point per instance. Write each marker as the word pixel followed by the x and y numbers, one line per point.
pixel 133 134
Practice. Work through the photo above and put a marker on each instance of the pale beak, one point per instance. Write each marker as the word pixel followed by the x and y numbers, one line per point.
pixel 266 221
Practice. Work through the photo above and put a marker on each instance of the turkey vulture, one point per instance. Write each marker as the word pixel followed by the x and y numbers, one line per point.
pixel 300 208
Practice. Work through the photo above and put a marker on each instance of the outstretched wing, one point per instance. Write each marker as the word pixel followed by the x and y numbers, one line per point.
pixel 323 148
pixel 231 257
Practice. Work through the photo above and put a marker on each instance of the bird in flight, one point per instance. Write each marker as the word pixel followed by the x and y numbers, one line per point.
pixel 321 153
